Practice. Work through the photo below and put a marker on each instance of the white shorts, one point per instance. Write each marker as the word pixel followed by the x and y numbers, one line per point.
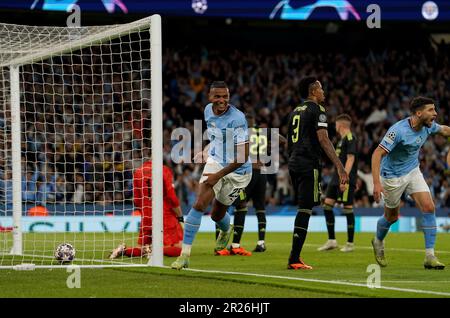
pixel 412 182
pixel 227 189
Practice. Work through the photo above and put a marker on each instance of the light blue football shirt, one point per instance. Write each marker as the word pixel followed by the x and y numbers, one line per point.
pixel 225 132
pixel 403 144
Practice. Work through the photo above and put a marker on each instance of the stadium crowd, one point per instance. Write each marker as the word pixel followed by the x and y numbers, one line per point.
pixel 85 134
pixel 374 89
pixel 86 127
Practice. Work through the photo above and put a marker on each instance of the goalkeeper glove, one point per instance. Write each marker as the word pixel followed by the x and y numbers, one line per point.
pixel 181 221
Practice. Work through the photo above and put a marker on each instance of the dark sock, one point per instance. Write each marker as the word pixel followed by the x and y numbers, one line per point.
pixel 350 224
pixel 261 215
pixel 329 218
pixel 299 236
pixel 238 226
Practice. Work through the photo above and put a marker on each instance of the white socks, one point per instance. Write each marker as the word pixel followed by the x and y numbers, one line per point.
pixel 429 251
pixel 186 249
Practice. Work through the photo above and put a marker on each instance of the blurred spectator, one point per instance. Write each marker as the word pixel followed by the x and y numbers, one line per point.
pixel 361 195
pixel 29 180
pixel 6 193
pixel 79 196
pixel 46 188
pixel 366 177
pixel 444 197
pixel 89 124
pixel 284 188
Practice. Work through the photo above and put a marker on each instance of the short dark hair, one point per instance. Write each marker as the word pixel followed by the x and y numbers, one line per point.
pixel 218 84
pixel 419 102
pixel 344 117
pixel 305 84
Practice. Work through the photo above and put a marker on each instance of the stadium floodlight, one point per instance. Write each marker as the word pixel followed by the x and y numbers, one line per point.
pixel 81 108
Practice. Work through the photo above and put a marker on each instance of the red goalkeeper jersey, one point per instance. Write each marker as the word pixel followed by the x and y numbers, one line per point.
pixel 142 188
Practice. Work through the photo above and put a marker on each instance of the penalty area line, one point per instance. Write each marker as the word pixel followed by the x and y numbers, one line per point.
pixel 330 282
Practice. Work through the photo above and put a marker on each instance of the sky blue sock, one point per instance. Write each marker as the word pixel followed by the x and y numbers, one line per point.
pixel 191 225
pixel 383 226
pixel 224 224
pixel 429 229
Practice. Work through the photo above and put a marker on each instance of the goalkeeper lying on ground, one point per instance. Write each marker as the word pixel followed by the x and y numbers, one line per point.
pixel 172 218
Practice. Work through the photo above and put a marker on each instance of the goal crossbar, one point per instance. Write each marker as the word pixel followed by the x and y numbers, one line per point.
pixel 111 33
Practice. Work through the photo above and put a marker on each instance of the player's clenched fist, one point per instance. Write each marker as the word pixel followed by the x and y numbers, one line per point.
pixel 377 190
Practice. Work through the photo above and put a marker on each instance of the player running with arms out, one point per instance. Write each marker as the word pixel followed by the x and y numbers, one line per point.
pixel 172 215
pixel 307 136
pixel 227 171
pixel 348 154
pixel 260 144
pixel 395 170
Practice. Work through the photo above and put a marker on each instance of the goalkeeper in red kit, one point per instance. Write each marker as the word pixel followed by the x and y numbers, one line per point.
pixel 172 215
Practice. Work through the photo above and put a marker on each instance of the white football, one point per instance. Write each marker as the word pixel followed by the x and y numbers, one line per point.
pixel 65 252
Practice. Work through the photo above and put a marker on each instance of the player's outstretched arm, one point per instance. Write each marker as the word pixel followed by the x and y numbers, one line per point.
pixel 377 155
pixel 202 156
pixel 242 157
pixel 138 186
pixel 444 131
pixel 179 214
pixel 328 147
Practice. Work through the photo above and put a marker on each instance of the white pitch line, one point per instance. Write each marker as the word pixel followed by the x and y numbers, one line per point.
pixel 388 248
pixel 333 282
pixel 80 259
pixel 405 281
pixel 75 265
pixel 106 263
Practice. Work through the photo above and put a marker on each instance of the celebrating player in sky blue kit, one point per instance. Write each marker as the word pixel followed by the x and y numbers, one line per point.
pixel 228 170
pixel 398 155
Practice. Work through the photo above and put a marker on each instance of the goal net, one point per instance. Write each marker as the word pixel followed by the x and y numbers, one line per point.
pixel 81 109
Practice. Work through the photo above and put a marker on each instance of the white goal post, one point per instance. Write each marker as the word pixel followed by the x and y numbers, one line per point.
pixel 81 109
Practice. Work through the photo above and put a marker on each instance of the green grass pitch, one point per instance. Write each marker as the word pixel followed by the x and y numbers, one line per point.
pixel 335 274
